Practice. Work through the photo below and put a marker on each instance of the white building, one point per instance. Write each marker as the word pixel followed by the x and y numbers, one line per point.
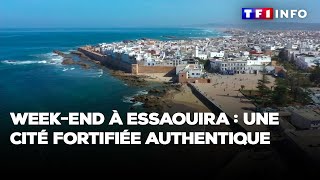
pixel 305 61
pixel 199 55
pixel 219 54
pixel 270 47
pixel 193 70
pixel 245 53
pixel 292 46
pixel 229 66
pixel 202 56
pixel 196 54
pixel 260 60
pixel 257 49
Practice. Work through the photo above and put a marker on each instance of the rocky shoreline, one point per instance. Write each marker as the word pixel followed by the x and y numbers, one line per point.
pixel 158 98
pixel 68 60
pixel 129 79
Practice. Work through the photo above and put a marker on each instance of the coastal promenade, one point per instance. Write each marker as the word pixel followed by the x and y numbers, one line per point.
pixel 222 95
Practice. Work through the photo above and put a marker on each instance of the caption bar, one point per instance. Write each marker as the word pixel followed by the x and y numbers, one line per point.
pixel 140 119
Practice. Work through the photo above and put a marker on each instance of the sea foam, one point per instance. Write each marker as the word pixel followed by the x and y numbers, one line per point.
pixel 138 104
pixel 23 62
pixel 48 58
pixel 129 99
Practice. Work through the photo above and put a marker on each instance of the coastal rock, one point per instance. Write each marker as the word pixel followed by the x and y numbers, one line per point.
pixel 77 53
pixel 131 80
pixel 68 61
pixel 149 101
pixel 159 98
pixel 83 65
pixel 62 54
pixel 59 53
pixel 154 91
pixel 83 56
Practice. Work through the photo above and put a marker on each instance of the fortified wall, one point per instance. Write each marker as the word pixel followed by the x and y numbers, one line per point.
pixel 105 60
pixel 117 64
pixel 137 68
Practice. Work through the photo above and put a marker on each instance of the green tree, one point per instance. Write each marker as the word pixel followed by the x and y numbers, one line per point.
pixel 283 55
pixel 264 90
pixel 280 93
pixel 315 75
pixel 207 65
pixel 303 96
pixel 296 81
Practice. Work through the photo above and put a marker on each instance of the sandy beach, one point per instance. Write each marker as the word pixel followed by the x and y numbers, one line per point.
pixel 156 77
pixel 224 92
pixel 186 101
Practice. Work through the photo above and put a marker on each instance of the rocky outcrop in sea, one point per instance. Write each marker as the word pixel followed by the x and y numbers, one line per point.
pixel 68 60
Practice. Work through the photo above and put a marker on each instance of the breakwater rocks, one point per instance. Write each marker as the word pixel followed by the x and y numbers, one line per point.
pixel 60 53
pixel 130 79
pixel 150 102
pixel 158 98
pixel 68 60
pixel 84 57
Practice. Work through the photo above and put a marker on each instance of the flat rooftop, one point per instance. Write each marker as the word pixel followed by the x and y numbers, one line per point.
pixel 314 90
pixel 307 114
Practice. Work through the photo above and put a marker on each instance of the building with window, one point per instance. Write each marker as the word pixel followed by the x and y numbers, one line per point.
pixel 229 66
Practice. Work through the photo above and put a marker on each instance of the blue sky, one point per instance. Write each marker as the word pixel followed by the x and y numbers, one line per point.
pixel 136 13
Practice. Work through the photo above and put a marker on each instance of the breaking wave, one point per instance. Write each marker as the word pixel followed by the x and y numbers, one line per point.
pixel 129 99
pixel 23 62
pixel 143 92
pixel 48 58
pixel 100 73
pixel 138 104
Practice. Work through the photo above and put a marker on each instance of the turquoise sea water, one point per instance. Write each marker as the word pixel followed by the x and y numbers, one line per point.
pixel 32 78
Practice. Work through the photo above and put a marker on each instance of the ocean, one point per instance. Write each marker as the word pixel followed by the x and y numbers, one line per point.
pixel 32 78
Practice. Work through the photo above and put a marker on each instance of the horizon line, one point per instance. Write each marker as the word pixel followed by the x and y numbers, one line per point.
pixel 164 26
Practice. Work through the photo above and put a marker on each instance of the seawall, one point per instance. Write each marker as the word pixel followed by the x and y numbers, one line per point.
pixel 107 61
pixel 117 64
pixel 169 70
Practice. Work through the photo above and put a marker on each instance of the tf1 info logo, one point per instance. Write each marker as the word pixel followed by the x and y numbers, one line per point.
pixel 270 13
